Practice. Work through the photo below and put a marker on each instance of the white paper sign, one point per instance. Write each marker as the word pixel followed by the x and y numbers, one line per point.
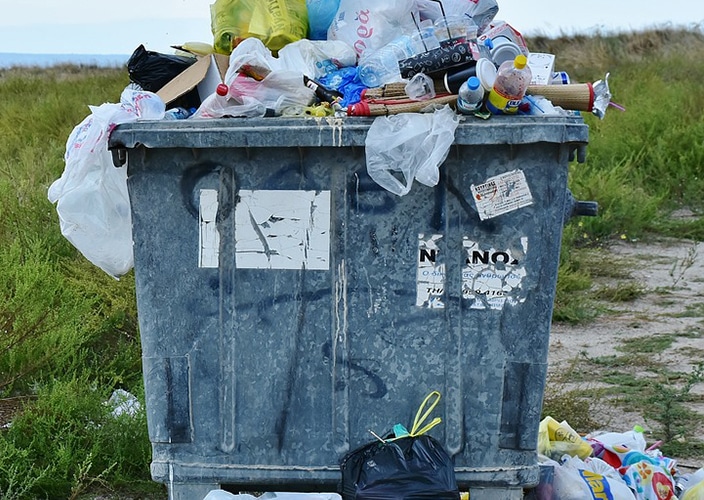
pixel 282 230
pixel 502 194
pixel 430 277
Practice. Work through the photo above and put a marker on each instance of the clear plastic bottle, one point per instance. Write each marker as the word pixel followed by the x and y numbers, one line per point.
pixel 512 80
pixel 470 96
pixel 380 67
pixel 216 105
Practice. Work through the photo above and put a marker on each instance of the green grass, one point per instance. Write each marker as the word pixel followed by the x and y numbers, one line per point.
pixel 650 344
pixel 69 331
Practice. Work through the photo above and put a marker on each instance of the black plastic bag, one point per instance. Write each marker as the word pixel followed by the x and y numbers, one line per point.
pixel 152 70
pixel 408 468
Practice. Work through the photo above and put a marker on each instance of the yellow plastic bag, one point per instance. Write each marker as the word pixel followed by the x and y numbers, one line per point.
pixel 274 22
pixel 558 438
pixel 695 486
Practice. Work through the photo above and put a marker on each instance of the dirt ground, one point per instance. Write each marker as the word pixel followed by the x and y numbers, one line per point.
pixel 671 274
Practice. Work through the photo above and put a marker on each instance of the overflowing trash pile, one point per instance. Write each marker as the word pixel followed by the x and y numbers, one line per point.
pixel 363 58
pixel 417 65
pixel 613 465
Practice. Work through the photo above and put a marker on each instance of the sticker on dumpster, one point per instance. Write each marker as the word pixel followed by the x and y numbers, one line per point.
pixel 492 278
pixel 208 235
pixel 282 230
pixel 502 194
pixel 430 277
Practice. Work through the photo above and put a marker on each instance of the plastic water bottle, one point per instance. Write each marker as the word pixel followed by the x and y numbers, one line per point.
pixel 215 105
pixel 512 80
pixel 470 96
pixel 380 67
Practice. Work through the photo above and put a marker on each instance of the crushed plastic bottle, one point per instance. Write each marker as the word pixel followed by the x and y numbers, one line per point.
pixel 420 87
pixel 380 67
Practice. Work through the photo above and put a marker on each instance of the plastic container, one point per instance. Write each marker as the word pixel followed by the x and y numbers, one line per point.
pixel 451 30
pixel 512 80
pixel 470 97
pixel 503 49
pixel 284 298
pixel 424 39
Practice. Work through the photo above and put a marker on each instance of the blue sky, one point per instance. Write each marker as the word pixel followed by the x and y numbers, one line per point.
pixel 118 27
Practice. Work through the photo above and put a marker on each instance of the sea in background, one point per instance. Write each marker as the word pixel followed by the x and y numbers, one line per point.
pixel 8 60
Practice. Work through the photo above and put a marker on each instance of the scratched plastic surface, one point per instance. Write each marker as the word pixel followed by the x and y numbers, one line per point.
pixel 287 304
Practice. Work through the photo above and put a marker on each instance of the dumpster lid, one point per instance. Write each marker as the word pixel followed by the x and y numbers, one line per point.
pixel 331 131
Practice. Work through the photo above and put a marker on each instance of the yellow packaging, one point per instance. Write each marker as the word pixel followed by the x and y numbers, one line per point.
pixel 558 438
pixel 275 22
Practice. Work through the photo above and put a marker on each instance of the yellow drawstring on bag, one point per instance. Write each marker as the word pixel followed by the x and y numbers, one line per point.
pixel 420 418
pixel 400 431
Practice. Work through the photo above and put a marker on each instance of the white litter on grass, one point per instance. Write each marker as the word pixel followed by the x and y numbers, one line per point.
pixel 224 495
pixel 123 403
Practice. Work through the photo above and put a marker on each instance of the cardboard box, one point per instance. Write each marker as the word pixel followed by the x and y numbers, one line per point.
pixel 502 28
pixel 204 75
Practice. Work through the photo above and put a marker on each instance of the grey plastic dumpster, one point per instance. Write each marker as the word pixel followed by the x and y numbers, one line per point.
pixel 288 304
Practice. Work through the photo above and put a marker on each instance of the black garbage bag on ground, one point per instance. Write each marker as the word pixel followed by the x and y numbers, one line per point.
pixel 408 468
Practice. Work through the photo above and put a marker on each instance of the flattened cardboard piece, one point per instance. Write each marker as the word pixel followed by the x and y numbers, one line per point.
pixel 205 74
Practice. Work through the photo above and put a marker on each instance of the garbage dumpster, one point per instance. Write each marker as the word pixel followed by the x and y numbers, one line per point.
pixel 288 304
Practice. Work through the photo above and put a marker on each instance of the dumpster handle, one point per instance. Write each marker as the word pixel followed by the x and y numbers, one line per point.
pixel 119 156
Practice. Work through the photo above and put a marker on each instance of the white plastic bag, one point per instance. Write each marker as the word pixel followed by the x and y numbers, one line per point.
pixel 407 146
pixel 315 58
pixel 217 106
pixel 91 195
pixel 271 85
pixel 371 24
pixel 300 496
pixel 224 495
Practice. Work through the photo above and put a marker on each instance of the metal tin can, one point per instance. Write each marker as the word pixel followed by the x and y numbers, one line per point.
pixel 560 78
